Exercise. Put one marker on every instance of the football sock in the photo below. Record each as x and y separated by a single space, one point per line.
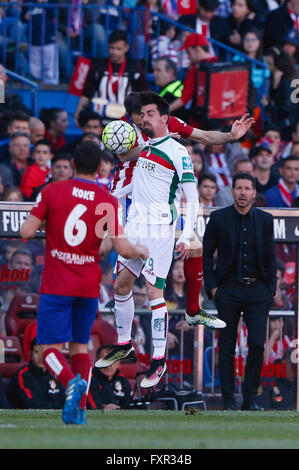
124 315
56 363
193 274
81 364
159 327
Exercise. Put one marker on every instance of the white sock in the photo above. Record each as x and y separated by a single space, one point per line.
159 327
124 315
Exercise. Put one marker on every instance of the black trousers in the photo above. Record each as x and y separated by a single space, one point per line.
255 301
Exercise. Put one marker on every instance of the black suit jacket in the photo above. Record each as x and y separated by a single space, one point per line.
277 25
221 235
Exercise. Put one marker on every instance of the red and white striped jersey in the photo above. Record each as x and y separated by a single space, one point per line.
122 183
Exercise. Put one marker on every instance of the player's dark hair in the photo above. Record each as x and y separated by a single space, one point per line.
87 157
151 97
244 176
90 135
290 158
61 156
86 115
132 103
44 142
118 35
207 176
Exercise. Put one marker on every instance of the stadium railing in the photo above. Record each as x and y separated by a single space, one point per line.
22 84
94 23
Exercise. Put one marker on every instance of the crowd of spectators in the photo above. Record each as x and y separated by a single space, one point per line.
36 151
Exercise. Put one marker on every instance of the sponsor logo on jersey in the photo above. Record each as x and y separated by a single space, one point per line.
146 165
187 163
72 258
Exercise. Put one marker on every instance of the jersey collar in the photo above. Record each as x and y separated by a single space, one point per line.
159 141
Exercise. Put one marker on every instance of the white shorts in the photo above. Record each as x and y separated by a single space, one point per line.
159 239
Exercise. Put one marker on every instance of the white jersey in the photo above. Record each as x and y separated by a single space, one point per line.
122 184
163 165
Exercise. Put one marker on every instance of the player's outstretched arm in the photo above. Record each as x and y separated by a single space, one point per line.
132 154
239 128
30 226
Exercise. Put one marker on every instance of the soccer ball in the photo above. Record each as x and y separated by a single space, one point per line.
119 136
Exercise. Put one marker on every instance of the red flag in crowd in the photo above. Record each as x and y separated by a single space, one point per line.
76 16
79 76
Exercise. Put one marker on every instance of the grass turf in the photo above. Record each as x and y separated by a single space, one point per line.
39 429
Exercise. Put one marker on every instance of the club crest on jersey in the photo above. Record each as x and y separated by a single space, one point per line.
187 163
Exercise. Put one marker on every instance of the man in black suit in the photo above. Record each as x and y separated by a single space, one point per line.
243 280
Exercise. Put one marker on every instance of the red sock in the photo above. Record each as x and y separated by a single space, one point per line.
81 364
56 363
193 275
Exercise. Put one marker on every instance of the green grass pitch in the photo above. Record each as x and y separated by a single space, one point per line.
39 429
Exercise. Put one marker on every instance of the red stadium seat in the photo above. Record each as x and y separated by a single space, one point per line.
13 356
21 311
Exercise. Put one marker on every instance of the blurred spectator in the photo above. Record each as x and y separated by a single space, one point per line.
33 387
146 23
278 340
224 196
277 393
8 247
207 23
262 158
89 122
290 45
289 282
197 49
36 174
17 122
175 294
23 260
105 175
12 194
280 107
162 46
56 122
252 45
37 130
19 152
108 389
280 300
240 21
114 79
61 170
287 187
106 287
207 188
260 200
279 22
43 50
273 136
295 149
218 165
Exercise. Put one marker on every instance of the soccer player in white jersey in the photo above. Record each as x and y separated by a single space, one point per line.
163 169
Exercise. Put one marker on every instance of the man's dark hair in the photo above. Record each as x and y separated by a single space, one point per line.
61 156
151 97
290 158
50 114
118 35
209 5
132 103
18 116
90 135
101 348
272 127
207 176
107 156
86 115
44 142
87 157
295 202
169 64
244 176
